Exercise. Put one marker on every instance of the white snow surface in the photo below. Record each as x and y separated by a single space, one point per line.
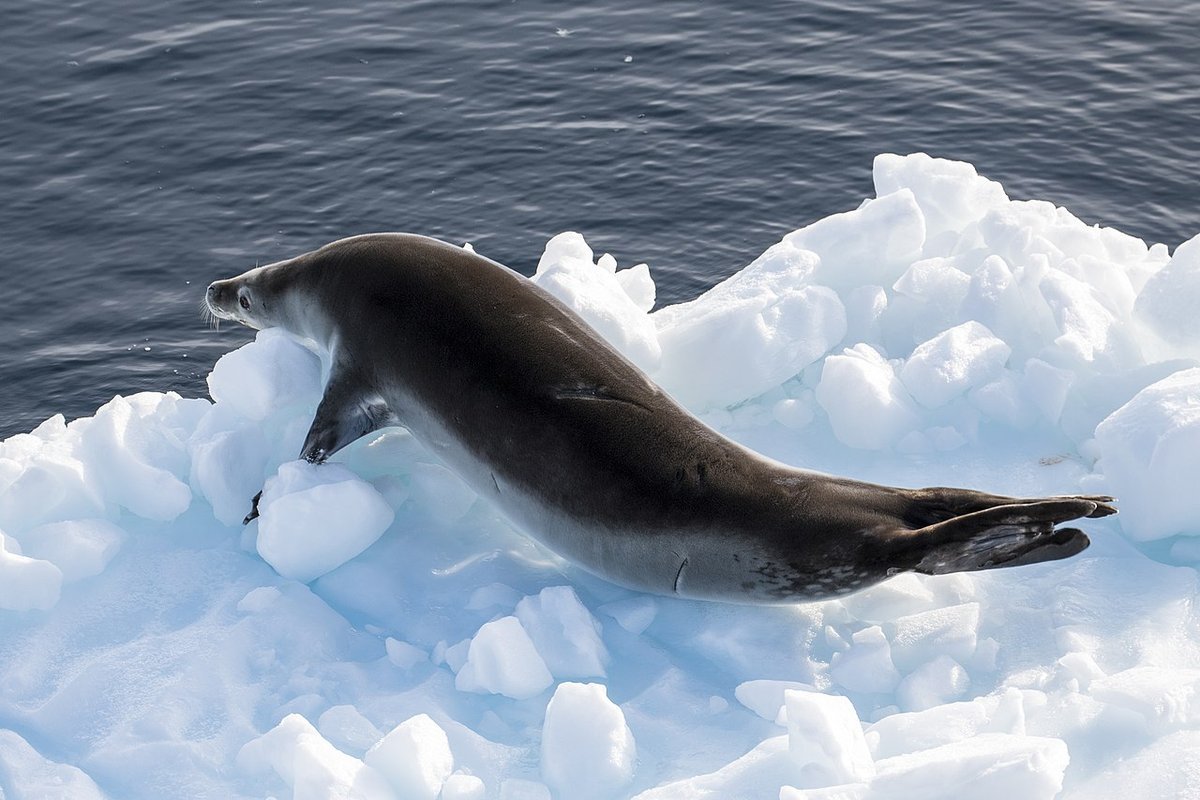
379 632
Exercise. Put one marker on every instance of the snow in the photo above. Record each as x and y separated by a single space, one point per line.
381 632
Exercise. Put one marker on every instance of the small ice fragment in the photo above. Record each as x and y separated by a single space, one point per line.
934 683
414 757
565 633
501 659
404 655
587 749
826 739
259 599
26 583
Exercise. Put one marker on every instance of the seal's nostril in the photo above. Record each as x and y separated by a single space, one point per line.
212 291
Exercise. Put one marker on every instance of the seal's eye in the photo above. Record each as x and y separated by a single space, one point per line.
244 302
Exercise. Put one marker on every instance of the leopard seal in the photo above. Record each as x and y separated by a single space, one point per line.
584 453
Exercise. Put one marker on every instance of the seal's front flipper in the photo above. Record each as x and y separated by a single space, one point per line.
345 414
1002 536
253 515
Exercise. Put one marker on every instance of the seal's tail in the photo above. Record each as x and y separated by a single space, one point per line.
992 531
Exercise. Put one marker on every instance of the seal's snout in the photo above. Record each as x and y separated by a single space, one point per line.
217 298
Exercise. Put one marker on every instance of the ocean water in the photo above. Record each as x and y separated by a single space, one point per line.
146 149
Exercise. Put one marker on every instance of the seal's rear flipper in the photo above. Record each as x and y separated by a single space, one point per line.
1003 536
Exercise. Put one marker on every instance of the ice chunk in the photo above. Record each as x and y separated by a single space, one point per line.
1090 331
80 548
748 334
865 307
906 593
933 289
868 407
1081 668
272 372
933 683
758 773
1003 712
1150 456
952 362
316 518
138 459
259 599
867 665
826 739
1004 401
873 244
587 749
729 353
456 655
564 632
1168 699
1168 301
26 583
638 284
47 485
502 659
311 766
1047 387
795 412
227 470
951 631
766 697
404 655
461 786
990 766
1167 767
414 757
615 306
950 194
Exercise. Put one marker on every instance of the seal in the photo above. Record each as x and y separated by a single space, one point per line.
583 452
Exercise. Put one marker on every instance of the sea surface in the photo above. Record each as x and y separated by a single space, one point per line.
149 148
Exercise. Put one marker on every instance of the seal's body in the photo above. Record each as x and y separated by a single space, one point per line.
581 450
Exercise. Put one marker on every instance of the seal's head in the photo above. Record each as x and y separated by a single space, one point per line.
308 294
253 298
286 294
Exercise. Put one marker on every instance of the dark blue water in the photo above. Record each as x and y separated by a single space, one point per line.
148 148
